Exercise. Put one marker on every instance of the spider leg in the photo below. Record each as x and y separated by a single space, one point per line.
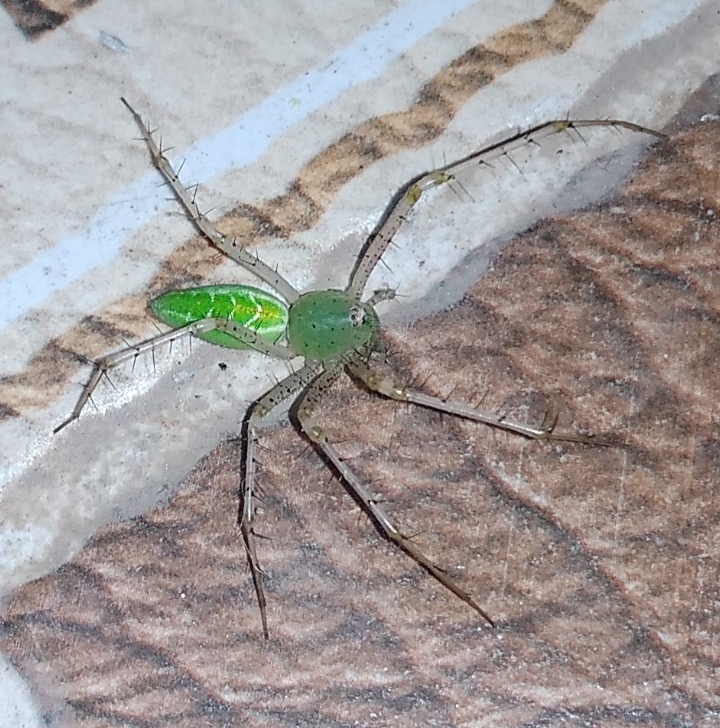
387 387
254 340
227 245
382 294
306 404
378 241
253 423
104 365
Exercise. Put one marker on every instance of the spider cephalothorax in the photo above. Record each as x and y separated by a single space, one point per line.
324 325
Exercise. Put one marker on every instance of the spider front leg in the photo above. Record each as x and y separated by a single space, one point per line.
252 339
227 245
389 529
253 423
387 387
377 243
102 366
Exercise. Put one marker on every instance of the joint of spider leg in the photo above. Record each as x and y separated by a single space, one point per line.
259 410
316 434
389 388
388 527
312 430
441 178
412 195
413 382
400 390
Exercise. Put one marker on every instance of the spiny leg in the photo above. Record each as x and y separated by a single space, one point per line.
227 245
386 386
102 366
382 294
306 404
253 422
377 243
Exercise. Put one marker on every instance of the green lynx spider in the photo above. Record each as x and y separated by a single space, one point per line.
333 330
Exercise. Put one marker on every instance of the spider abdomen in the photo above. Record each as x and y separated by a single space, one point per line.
252 307
327 325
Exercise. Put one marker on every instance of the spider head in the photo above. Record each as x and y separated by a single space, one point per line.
328 325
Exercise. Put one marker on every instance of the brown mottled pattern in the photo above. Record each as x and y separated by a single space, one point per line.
47 374
36 18
601 565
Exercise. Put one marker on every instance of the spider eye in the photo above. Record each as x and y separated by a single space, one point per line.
357 316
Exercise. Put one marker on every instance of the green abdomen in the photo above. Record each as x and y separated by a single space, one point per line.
247 305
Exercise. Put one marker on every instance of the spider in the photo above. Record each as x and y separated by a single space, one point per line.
334 331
